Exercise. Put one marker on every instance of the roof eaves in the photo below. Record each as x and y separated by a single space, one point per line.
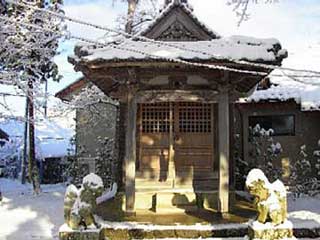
69 89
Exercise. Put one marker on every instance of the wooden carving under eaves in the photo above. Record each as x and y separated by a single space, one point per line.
178 24
177 32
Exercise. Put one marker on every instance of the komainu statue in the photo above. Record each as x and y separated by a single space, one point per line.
79 204
270 200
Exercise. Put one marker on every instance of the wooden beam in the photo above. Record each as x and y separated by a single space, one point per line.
224 151
177 96
130 158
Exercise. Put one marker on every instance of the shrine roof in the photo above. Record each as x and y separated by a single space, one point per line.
232 48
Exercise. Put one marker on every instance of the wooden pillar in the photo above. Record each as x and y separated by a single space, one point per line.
224 152
171 165
231 147
130 157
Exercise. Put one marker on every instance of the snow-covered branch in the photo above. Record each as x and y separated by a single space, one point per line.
240 7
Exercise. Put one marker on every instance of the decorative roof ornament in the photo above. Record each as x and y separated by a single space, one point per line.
178 2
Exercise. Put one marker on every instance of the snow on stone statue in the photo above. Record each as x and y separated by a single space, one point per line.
270 199
79 204
271 204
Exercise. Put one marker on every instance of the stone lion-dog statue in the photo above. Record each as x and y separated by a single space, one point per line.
270 198
79 204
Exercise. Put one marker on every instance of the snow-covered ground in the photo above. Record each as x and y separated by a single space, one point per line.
28 217
25 216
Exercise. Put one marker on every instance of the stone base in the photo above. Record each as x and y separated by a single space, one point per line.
259 231
65 233
175 201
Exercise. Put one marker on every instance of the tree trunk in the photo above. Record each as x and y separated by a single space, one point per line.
25 143
132 6
33 169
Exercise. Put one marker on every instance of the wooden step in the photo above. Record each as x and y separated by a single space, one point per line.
197 185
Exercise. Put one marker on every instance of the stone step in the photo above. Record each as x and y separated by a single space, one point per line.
173 232
174 200
132 230
126 231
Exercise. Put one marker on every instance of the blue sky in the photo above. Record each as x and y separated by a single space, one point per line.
296 23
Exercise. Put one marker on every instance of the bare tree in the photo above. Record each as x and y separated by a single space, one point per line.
240 7
138 13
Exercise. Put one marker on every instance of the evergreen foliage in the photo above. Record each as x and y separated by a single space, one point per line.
305 173
105 161
264 153
74 170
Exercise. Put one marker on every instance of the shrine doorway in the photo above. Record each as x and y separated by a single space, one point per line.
176 144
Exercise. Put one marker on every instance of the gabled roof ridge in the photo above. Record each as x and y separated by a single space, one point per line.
186 7
73 86
4 135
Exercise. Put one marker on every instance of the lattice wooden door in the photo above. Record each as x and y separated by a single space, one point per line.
193 141
154 125
185 127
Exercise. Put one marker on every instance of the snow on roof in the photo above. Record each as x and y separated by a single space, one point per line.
229 48
52 138
188 9
304 90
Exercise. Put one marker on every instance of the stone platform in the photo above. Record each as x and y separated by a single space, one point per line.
175 215
175 208
65 233
185 223
134 230
130 230
260 231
